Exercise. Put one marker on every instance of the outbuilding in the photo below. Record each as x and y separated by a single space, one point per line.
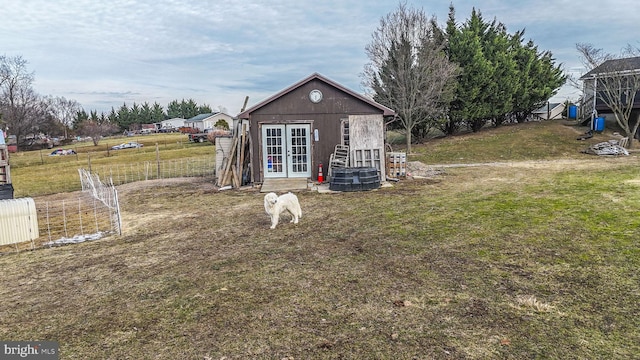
550 111
296 130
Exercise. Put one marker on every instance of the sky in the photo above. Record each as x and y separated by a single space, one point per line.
104 54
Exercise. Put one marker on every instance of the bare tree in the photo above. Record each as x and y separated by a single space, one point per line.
614 81
409 71
96 129
23 111
65 110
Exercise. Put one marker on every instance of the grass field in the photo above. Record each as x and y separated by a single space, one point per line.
516 260
35 173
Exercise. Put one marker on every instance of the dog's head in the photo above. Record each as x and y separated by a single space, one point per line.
270 199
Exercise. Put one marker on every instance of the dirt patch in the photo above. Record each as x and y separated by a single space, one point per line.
576 164
200 182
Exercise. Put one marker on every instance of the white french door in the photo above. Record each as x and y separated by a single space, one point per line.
286 150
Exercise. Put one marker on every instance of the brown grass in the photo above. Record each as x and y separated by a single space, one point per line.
500 262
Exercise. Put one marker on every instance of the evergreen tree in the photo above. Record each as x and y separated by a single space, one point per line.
501 77
113 116
538 78
409 71
157 113
204 109
145 114
134 114
189 108
124 117
500 92
80 117
174 110
93 116
466 49
186 109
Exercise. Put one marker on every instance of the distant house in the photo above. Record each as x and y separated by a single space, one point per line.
174 123
209 121
624 70
550 111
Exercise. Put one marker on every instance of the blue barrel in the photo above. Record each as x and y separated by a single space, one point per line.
573 112
598 124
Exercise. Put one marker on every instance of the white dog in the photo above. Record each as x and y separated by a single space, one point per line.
275 205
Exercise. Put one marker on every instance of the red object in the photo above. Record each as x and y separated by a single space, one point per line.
320 175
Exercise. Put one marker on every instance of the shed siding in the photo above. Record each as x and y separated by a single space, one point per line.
295 107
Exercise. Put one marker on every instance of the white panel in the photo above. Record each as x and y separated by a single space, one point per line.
366 142
18 221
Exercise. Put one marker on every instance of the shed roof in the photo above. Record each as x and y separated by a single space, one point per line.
201 117
315 76
631 64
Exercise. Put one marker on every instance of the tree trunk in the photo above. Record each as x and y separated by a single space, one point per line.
408 138
634 131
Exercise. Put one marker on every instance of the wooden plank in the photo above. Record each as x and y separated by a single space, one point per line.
222 180
235 180
244 141
250 140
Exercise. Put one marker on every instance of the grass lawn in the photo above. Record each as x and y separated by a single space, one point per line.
35 173
524 260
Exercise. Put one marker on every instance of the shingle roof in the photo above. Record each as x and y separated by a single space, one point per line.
615 65
200 117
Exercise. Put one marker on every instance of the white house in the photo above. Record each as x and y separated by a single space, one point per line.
209 121
172 123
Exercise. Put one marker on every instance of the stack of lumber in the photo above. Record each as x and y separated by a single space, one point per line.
238 162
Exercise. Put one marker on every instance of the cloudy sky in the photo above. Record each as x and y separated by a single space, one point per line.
106 53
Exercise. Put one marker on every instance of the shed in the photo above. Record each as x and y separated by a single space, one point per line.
298 128
550 111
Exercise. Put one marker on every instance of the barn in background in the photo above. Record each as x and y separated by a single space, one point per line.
297 129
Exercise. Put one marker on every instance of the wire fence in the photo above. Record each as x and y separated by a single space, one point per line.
92 214
148 170
74 220
95 211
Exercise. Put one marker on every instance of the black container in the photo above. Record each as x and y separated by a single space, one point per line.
341 179
354 179
369 178
6 192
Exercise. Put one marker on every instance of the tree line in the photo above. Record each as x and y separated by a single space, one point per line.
130 117
27 114
462 76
